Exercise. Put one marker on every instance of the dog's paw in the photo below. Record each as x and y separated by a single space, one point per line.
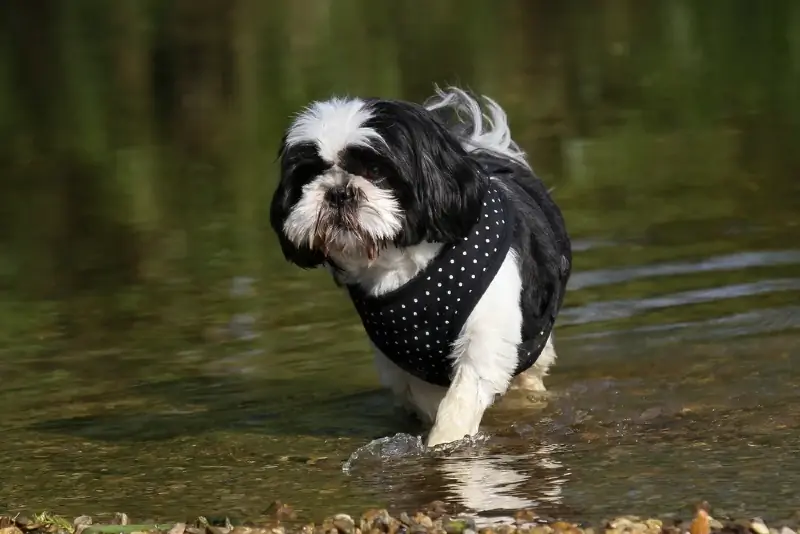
441 434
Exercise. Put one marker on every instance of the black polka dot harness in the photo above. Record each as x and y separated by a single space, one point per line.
416 325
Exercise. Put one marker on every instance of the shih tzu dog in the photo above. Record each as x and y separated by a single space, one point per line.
451 249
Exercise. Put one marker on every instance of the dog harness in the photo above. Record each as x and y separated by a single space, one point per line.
415 325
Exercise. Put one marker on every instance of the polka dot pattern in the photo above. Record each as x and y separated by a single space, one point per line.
416 325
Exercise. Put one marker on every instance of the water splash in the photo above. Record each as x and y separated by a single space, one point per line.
403 445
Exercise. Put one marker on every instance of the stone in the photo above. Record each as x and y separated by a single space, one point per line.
456 526
375 519
344 524
758 527
423 520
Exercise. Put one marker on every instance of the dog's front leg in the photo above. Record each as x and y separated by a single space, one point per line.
461 409
484 358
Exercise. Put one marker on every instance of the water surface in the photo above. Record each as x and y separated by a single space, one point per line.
159 357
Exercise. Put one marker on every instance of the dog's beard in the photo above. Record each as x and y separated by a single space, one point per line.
341 231
361 228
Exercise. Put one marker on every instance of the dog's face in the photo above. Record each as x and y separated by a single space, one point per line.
359 175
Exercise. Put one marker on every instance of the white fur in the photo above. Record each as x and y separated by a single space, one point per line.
495 136
379 216
333 125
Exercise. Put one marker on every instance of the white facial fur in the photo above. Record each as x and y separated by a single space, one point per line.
333 126
378 216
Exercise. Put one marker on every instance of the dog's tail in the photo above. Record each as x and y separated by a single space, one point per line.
476 129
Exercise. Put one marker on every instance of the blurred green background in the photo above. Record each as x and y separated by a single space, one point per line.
146 311
139 137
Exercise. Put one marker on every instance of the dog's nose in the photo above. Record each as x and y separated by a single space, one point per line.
340 195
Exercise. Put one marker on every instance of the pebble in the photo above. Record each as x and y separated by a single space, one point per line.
436 518
344 523
758 526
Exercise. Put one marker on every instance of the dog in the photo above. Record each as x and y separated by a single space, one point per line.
451 249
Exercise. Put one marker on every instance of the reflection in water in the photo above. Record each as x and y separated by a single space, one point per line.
147 314
489 485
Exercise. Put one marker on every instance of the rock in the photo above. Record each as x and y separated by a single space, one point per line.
423 520
435 510
178 528
457 526
700 523
10 530
120 519
619 524
787 530
525 516
82 520
758 527
653 525
541 529
81 523
715 524
344 524
375 519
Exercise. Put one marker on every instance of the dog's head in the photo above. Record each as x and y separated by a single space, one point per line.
359 175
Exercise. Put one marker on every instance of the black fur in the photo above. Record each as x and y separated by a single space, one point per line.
541 242
300 164
438 186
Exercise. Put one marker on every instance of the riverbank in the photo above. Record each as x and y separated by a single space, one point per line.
434 518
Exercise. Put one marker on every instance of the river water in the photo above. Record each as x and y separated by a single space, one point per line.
159 357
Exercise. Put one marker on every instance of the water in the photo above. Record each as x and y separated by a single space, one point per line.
159 357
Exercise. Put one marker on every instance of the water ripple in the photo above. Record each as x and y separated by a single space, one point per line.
621 309
730 262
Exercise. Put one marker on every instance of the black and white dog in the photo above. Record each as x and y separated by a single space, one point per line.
451 249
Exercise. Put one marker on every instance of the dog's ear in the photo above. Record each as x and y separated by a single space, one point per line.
439 185
450 187
285 197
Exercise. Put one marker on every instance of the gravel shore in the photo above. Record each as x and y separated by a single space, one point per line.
434 518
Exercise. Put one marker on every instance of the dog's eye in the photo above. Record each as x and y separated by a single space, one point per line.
373 171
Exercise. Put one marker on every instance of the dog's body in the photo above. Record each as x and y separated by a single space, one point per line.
410 183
